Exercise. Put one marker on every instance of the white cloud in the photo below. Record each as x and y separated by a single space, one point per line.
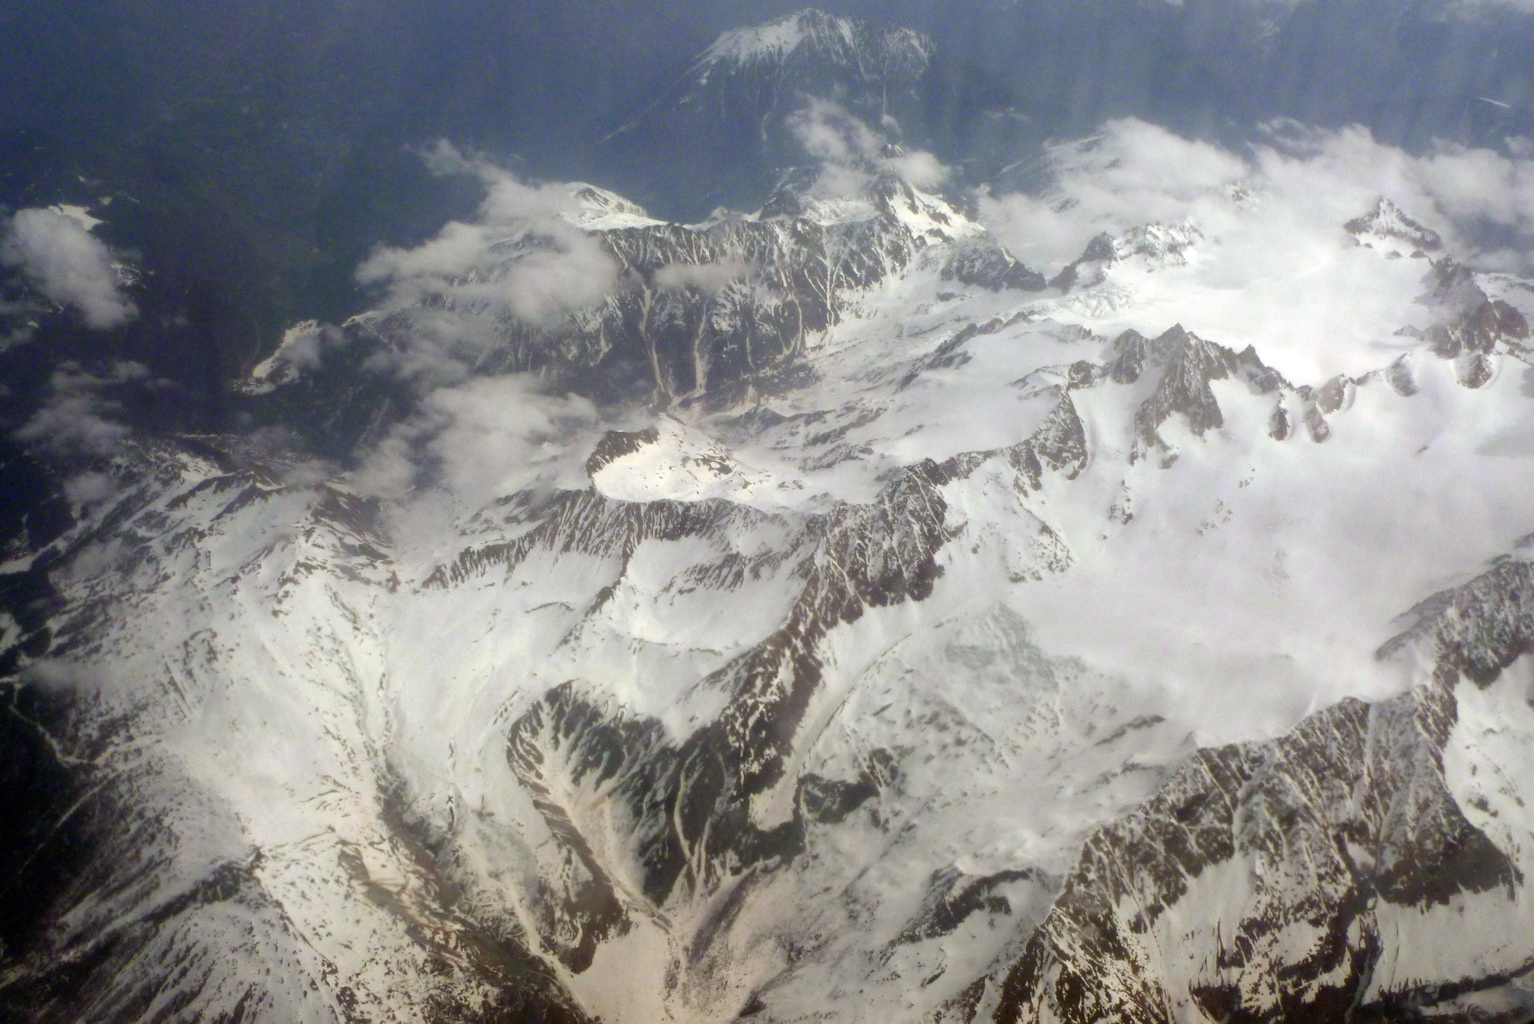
1472 6
74 420
1134 173
304 344
1130 173
827 131
457 249
521 256
89 488
78 426
55 676
18 321
303 347
488 437
441 348
64 261
852 152
920 168
709 278
77 423
1272 264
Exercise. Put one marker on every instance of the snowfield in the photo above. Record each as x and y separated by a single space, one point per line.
883 605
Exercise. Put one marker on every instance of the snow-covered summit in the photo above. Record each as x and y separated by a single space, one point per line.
1039 644
812 35
1390 230
811 613
598 209
1151 247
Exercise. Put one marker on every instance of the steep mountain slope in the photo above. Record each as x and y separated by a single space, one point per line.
703 312
812 612
723 121
983 667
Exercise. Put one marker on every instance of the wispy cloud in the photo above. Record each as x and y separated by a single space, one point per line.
852 152
1131 173
1272 263
59 256
488 437
76 420
79 427
520 256
709 278
18 320
1134 173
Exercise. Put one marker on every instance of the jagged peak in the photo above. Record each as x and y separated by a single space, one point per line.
840 40
598 209
1480 627
881 193
1388 228
984 262
1165 243
1156 244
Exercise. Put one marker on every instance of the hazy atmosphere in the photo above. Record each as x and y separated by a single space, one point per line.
947 512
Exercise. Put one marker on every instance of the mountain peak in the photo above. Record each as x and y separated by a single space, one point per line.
812 32
1388 228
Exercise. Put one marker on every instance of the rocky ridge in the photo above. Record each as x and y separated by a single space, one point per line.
903 644
636 825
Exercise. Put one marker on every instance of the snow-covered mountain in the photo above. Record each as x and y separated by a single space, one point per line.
816 612
709 312
996 669
757 74
892 57
726 118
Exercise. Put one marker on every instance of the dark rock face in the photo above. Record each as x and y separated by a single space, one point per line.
587 522
1479 330
1158 244
1325 832
1059 445
1475 324
1317 834
43 841
109 901
1189 365
743 73
1322 833
1480 628
1387 223
830 801
1399 376
783 277
691 801
615 444
1186 365
30 599
1318 863
991 266
952 898
1258 884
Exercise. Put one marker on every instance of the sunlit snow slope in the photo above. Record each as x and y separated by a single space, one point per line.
830 617
999 666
